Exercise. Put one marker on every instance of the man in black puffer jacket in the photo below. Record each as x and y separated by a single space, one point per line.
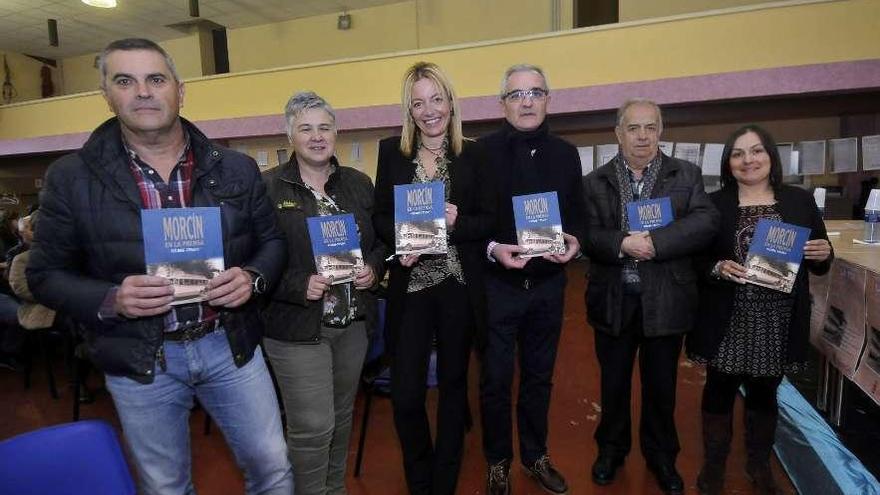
88 261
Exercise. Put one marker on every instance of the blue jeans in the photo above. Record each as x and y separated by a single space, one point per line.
155 417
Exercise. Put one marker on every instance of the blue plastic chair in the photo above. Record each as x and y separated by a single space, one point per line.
82 458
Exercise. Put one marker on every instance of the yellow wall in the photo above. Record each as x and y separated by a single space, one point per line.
778 37
80 74
380 29
25 76
396 27
631 10
450 22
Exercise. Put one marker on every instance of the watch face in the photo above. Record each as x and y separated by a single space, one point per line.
259 284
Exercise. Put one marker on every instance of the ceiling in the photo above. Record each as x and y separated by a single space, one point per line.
83 29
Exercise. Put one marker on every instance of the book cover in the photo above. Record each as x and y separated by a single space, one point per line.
420 218
184 245
649 214
775 254
538 224
336 247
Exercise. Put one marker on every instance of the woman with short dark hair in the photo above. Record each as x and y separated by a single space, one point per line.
317 331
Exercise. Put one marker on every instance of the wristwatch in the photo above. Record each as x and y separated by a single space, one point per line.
259 282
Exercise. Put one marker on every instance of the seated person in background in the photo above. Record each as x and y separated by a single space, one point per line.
11 335
31 314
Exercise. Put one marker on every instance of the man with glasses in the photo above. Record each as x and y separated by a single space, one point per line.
642 291
525 295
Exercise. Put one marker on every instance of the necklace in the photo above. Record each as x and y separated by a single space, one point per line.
434 151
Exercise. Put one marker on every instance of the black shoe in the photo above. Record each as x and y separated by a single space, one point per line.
498 479
547 476
9 362
605 468
667 477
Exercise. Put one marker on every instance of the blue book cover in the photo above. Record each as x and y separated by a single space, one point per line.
184 245
649 214
775 254
336 247
538 224
420 218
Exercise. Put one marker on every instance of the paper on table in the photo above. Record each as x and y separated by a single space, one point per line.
667 147
819 196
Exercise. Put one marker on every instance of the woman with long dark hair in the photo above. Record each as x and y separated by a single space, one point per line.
747 334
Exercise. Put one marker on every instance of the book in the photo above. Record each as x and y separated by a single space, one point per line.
336 247
184 245
775 254
420 218
649 214
538 224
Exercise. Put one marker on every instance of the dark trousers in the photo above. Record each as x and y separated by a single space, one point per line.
529 318
442 311
658 365
721 389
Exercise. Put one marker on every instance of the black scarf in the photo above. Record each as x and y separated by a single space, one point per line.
523 152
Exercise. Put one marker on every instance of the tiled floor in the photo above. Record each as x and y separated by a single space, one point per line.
573 415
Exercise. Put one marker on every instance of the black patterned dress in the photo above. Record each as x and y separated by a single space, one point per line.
756 341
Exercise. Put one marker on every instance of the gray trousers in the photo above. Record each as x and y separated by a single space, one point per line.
318 385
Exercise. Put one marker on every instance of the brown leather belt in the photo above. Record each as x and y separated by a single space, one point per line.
194 332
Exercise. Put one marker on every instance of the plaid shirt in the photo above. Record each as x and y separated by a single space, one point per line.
176 193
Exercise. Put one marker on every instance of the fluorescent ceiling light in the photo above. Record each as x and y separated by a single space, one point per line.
104 4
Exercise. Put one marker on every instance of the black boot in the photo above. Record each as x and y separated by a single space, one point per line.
717 430
498 478
760 435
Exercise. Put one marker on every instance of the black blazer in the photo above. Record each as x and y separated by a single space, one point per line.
669 283
796 206
472 191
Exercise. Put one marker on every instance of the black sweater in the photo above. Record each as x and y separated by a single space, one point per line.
553 166
795 206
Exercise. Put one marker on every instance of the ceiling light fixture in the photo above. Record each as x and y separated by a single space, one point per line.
104 4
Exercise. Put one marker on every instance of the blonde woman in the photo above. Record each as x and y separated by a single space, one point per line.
433 297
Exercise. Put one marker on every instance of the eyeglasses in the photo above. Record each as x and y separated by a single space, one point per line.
518 95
